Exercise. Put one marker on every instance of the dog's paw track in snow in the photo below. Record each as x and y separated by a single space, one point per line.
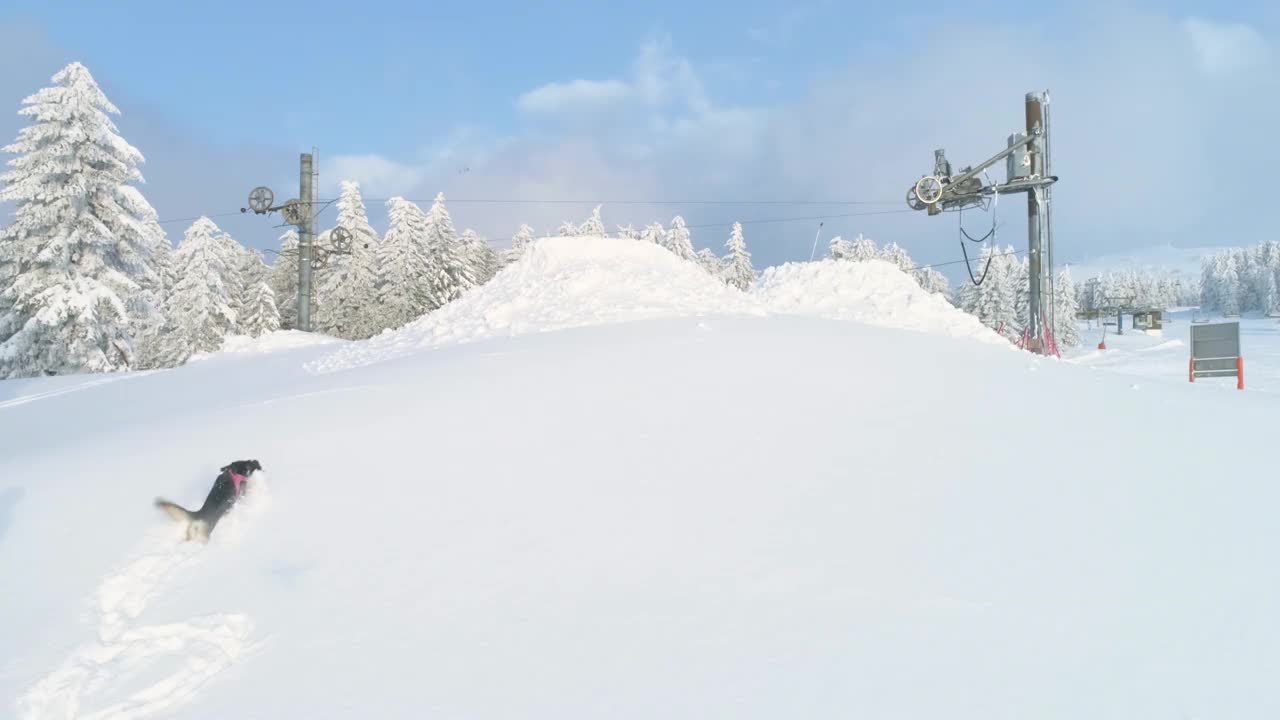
94 683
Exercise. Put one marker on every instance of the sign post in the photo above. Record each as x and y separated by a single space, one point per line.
1215 352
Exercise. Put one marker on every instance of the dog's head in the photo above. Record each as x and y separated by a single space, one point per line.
244 468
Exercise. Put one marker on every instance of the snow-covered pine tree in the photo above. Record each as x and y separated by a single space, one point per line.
520 243
862 249
1010 288
567 229
284 280
628 232
1019 284
839 248
594 226
404 290
149 323
932 281
738 270
993 301
260 314
708 260
654 233
677 239
1229 284
1210 298
451 269
1064 311
893 253
77 276
234 257
482 259
347 303
201 311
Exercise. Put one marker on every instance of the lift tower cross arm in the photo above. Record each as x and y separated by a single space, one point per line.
1030 174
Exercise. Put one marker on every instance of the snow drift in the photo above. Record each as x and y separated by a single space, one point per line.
559 283
871 291
580 281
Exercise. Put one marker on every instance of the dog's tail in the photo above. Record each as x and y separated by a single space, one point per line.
175 511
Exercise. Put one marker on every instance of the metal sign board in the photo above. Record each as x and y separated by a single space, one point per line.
1215 349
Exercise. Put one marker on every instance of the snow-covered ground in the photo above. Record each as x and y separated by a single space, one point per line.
706 511
1164 356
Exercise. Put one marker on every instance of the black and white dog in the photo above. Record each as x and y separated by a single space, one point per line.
228 488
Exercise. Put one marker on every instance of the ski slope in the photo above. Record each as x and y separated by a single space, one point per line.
698 513
1164 356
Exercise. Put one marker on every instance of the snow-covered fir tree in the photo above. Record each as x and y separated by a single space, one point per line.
994 301
628 232
148 325
1019 280
594 226
932 281
235 257
451 268
862 249
520 243
201 310
839 248
1147 289
404 290
259 315
76 262
1064 311
284 280
895 254
737 270
482 259
1241 280
347 303
708 260
678 240
654 233
1229 284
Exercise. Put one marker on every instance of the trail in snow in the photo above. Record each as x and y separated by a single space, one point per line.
97 381
100 679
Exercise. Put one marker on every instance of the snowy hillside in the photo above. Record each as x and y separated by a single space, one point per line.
712 510
1160 259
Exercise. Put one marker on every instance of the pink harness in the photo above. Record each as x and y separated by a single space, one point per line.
236 480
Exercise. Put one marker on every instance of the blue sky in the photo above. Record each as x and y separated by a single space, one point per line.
679 101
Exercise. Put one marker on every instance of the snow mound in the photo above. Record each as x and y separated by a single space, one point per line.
559 283
277 341
874 292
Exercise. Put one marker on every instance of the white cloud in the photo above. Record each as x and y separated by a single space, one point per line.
377 175
863 131
1223 48
574 96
